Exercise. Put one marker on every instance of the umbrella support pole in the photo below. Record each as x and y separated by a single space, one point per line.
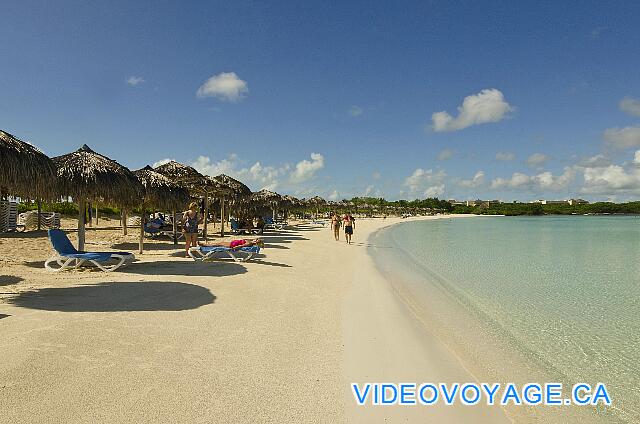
206 212
222 217
39 214
141 241
123 220
81 217
175 228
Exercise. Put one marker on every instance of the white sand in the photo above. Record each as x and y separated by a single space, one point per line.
170 340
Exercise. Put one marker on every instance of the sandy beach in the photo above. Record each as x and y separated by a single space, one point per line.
167 339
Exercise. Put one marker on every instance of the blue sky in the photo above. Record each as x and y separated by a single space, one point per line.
540 99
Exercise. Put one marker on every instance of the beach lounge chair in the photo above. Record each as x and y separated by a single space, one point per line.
68 257
8 216
29 219
270 223
242 254
235 229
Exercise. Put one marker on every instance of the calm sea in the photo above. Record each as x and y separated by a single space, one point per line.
528 298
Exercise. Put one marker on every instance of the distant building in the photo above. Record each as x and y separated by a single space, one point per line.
561 202
577 202
551 202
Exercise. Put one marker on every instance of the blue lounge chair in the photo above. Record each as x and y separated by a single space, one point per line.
242 254
235 229
68 257
270 223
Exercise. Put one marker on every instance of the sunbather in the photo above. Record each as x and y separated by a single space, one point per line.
234 244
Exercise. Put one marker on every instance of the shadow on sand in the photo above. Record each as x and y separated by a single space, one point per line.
4 316
187 268
25 235
148 246
117 297
7 280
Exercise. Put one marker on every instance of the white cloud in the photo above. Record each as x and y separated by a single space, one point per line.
487 106
548 181
595 161
259 176
476 181
630 106
334 195
224 86
426 183
611 179
505 156
622 138
133 80
305 169
517 180
446 154
540 182
434 191
355 110
537 160
225 166
256 176
161 162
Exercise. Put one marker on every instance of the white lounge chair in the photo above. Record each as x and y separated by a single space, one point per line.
30 220
242 254
68 257
8 216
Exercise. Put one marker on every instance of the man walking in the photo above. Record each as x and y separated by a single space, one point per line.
349 226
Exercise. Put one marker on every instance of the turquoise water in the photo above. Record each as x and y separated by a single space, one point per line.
524 298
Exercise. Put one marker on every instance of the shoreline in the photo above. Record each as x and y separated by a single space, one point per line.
479 345
386 342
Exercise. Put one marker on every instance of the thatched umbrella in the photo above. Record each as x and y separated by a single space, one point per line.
87 175
266 197
239 188
160 192
184 175
25 171
197 184
290 202
236 188
316 201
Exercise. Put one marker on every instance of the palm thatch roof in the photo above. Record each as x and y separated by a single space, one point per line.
215 188
187 177
238 188
291 201
85 174
160 191
315 201
24 170
265 197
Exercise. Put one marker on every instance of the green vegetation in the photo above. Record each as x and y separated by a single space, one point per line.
512 209
380 204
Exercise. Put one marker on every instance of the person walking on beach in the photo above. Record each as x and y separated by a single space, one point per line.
335 225
190 221
349 226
